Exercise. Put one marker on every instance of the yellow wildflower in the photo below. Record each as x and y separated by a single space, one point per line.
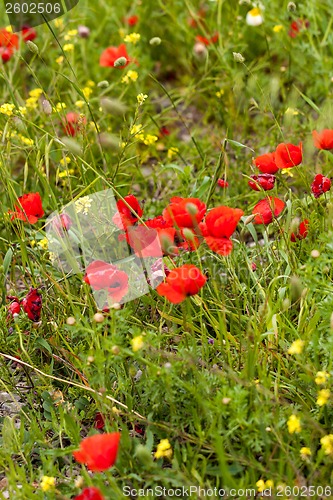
7 109
278 27
47 483
323 397
287 171
36 93
79 104
296 347
91 83
31 103
219 93
59 107
141 98
68 47
131 76
327 444
65 161
87 91
294 424
321 378
58 23
305 453
172 152
262 485
163 449
26 140
22 110
132 38
60 60
150 139
137 343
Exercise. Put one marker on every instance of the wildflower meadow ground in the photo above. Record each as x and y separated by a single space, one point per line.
166 250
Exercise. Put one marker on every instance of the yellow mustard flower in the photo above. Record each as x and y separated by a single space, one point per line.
321 377
323 397
278 28
305 453
83 204
137 343
327 444
132 38
68 47
47 483
294 424
141 98
163 449
296 347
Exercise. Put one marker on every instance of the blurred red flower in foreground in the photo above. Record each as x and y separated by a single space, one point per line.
320 185
218 227
207 41
32 304
266 163
111 54
323 139
98 452
28 33
29 208
9 42
131 20
297 26
267 209
73 123
184 212
90 493
103 276
263 181
302 231
125 216
182 282
288 155
222 183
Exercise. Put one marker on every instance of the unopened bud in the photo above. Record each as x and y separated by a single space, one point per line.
155 40
188 234
200 50
115 350
32 47
83 31
291 7
120 62
47 108
70 321
238 57
191 208
249 219
99 317
103 84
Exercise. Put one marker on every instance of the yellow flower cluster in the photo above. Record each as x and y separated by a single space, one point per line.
7 109
59 107
131 76
132 38
68 47
321 378
148 139
70 34
305 453
137 343
172 152
262 485
294 424
141 98
32 101
296 347
323 397
327 444
164 449
47 483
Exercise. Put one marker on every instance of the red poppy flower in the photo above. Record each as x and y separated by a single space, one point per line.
182 282
222 183
29 208
200 16
14 307
74 123
263 181
288 155
266 163
145 241
132 20
267 209
99 421
302 231
62 223
125 216
207 41
9 42
111 54
297 26
32 304
98 452
184 212
90 493
323 139
28 33
103 276
164 131
218 227
320 185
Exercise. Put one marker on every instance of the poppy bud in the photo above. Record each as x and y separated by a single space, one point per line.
103 84
143 455
291 7
120 62
238 57
98 318
32 47
191 208
155 41
296 288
